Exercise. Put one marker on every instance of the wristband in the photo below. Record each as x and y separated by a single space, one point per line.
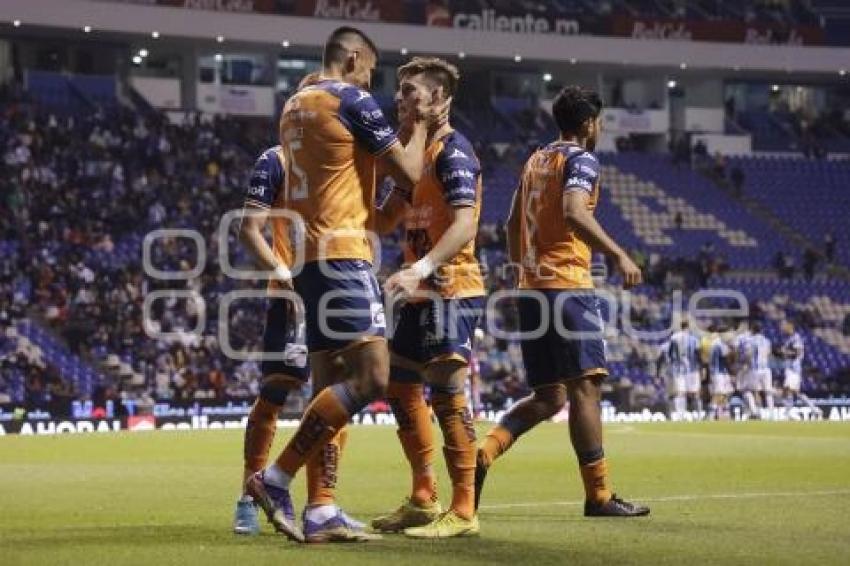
282 272
424 267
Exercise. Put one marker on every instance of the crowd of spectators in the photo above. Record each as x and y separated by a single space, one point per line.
74 261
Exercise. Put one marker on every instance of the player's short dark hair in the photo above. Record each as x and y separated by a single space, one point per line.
756 326
335 50
574 106
440 71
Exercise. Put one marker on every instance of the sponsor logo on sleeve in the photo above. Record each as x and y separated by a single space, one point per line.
579 182
257 191
458 174
368 115
384 133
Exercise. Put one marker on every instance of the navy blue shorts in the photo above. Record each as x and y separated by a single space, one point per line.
342 303
284 337
552 354
429 331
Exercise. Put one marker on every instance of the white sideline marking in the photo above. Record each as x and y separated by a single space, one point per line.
755 495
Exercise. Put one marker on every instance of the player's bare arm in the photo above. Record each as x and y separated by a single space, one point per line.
251 227
461 231
582 221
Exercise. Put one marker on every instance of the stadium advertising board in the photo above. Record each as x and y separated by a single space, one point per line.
263 6
390 11
511 18
233 417
719 30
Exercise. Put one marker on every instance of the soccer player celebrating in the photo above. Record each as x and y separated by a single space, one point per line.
331 134
444 292
283 338
551 231
286 367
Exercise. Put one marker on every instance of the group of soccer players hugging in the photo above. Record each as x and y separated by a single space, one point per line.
731 362
317 189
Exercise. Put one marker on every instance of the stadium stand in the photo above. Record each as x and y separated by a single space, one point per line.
75 258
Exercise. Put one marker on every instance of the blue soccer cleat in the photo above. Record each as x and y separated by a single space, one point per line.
245 520
276 502
338 528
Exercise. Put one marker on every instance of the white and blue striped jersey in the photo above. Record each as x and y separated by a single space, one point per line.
793 350
753 351
683 353
718 358
759 348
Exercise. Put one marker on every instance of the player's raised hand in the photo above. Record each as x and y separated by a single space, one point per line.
402 284
434 112
631 272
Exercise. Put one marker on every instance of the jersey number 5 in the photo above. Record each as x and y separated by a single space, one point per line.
296 191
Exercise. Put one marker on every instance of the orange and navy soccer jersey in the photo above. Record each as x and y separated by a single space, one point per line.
331 133
284 349
553 255
451 179
558 297
266 190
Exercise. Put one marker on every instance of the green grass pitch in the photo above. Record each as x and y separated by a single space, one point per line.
721 493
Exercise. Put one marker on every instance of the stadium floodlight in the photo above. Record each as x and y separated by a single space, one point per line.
220 39
775 88
155 34
842 72
219 57
143 53
16 23
547 77
683 65
285 44
137 60
462 55
87 29
573 61
403 50
671 84
517 58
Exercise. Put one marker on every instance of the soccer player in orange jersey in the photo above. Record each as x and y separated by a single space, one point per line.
331 134
551 231
285 368
443 293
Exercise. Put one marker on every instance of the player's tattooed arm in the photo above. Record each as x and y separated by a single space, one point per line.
580 219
